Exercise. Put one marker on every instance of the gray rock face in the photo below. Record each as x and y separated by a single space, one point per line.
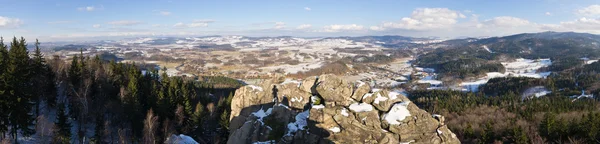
339 119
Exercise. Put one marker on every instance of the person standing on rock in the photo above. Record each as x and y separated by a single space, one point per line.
275 100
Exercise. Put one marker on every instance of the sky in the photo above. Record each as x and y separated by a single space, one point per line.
65 20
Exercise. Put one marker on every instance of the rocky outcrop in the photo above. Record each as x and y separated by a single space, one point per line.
340 112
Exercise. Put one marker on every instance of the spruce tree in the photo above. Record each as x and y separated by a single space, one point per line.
18 77
4 99
547 126
38 70
62 127
132 105
198 119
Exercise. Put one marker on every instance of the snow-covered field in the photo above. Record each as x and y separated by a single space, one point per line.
292 69
519 68
536 91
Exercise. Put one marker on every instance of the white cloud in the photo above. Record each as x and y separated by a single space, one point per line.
377 28
307 8
157 25
96 26
87 8
279 25
125 23
506 21
548 14
590 11
426 19
338 28
304 26
587 25
6 22
164 13
194 24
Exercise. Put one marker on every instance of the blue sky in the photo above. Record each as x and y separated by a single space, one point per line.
85 19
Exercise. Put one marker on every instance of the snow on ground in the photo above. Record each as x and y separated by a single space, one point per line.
181 139
430 80
519 68
536 91
287 81
292 69
335 129
361 107
583 95
428 70
265 142
256 87
398 112
526 65
588 60
299 124
473 86
487 49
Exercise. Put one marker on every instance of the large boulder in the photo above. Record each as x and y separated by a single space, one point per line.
361 89
384 100
335 89
290 93
246 100
348 113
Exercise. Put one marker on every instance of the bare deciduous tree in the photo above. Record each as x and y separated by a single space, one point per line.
44 128
150 125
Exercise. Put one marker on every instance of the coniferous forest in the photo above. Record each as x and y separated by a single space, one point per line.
499 113
88 100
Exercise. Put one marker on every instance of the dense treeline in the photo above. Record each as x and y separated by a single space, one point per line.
464 68
91 100
564 49
499 112
477 118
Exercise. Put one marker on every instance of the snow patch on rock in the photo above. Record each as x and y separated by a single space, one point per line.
344 112
299 124
398 113
361 107
335 129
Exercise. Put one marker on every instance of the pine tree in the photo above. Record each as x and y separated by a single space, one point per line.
519 136
4 99
132 105
38 70
75 71
198 119
62 128
469 133
488 133
547 126
18 77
